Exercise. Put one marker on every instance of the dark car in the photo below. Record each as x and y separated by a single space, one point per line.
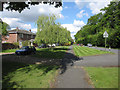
25 50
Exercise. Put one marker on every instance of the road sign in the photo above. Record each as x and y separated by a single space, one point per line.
105 35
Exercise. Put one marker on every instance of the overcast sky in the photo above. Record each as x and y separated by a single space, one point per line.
73 15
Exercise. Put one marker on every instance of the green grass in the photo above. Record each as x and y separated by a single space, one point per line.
85 51
103 77
55 53
19 75
8 51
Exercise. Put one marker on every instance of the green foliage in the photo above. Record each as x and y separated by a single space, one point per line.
16 43
108 21
3 28
25 43
48 32
20 6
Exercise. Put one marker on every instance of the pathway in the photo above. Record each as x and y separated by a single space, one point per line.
72 76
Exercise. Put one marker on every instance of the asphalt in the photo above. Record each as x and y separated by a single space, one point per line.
72 74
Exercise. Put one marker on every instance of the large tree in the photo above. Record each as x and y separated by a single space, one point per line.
50 32
108 21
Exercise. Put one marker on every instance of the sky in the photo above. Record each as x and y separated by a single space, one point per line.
73 14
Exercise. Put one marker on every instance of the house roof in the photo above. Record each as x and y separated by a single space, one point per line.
21 31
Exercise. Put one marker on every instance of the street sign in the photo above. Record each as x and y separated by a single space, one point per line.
105 35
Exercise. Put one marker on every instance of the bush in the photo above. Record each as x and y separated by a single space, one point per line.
26 43
16 43
6 46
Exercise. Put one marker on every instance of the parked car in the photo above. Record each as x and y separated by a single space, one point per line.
43 46
89 45
53 45
25 50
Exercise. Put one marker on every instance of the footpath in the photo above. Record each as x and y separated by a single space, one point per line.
72 76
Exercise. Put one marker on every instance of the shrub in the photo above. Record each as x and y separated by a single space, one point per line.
6 46
16 43
26 43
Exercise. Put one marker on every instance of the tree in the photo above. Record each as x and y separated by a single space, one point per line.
20 6
108 21
48 32
3 28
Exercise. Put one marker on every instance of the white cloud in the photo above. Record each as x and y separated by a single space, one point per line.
96 6
75 27
81 14
78 23
16 19
34 30
93 5
15 22
32 14
72 35
81 3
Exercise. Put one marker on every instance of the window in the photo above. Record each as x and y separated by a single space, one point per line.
31 36
27 36
21 35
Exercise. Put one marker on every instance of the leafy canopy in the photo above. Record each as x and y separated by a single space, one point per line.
50 32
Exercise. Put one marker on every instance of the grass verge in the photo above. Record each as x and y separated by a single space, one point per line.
85 51
54 53
8 51
103 77
19 75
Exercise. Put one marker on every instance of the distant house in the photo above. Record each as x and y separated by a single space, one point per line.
17 35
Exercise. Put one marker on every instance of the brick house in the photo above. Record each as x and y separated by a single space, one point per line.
17 35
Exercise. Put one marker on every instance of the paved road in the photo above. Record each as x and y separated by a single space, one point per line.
97 61
73 75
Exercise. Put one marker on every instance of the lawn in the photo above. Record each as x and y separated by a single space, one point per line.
55 53
103 77
8 51
19 75
86 51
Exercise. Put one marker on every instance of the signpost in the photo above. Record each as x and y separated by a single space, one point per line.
105 35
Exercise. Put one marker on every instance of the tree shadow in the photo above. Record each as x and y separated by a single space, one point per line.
45 59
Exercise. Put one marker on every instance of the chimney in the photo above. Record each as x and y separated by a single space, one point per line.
16 27
30 30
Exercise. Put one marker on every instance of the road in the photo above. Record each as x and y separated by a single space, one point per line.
74 75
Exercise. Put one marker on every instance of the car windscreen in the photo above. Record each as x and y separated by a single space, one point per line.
23 48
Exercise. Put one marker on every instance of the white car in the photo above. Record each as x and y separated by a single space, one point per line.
89 45
53 45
